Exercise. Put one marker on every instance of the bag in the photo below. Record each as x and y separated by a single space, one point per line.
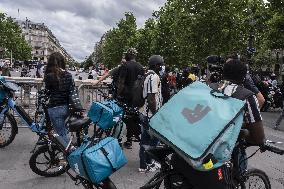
74 100
137 91
96 162
105 114
201 124
2 90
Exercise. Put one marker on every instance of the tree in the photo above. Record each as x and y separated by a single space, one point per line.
12 40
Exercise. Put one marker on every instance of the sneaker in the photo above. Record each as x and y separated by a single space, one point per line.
141 170
127 144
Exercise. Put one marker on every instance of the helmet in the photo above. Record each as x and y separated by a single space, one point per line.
155 60
131 51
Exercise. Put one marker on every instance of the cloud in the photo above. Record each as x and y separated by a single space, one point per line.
79 24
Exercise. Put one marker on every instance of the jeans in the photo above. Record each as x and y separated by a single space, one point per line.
146 143
57 117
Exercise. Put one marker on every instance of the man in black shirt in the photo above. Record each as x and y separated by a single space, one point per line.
128 74
234 73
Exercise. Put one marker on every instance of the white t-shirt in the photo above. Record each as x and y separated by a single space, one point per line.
152 84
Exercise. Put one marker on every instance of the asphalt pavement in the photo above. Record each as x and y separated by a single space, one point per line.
15 172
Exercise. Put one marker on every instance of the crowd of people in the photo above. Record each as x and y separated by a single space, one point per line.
158 86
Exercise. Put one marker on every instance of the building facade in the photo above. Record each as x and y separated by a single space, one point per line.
42 41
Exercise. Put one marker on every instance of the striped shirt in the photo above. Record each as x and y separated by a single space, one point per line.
252 112
152 85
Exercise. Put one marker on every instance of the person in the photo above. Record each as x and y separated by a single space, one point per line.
6 69
128 74
114 73
39 69
58 83
166 91
234 74
153 93
274 81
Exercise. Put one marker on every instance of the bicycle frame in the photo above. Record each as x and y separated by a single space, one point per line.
11 104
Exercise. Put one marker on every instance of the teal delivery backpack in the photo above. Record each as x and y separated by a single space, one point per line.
105 114
201 124
97 161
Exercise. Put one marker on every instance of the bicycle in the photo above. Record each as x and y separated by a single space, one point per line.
8 124
67 149
48 160
169 178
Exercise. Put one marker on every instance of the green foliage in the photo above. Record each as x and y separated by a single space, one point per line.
12 40
185 32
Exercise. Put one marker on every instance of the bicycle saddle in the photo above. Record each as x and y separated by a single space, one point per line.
76 124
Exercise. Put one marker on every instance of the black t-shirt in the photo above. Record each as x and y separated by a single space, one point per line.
58 89
130 71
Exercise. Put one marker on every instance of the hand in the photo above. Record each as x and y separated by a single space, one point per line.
95 82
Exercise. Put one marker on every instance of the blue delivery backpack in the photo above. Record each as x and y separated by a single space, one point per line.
201 124
105 114
96 162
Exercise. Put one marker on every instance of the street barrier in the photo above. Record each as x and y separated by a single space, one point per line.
27 94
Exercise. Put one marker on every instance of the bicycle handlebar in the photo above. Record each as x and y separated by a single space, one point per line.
273 149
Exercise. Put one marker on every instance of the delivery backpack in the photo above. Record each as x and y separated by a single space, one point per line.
137 91
105 114
201 124
96 161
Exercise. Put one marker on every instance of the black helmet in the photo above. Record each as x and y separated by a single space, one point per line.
155 60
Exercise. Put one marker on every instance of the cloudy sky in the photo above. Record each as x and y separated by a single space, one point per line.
78 24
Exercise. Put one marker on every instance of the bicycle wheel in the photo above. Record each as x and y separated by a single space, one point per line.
156 181
8 130
48 162
256 179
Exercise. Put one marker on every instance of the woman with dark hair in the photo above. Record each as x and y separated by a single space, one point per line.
58 83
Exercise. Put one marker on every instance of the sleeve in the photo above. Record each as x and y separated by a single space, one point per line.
249 84
252 113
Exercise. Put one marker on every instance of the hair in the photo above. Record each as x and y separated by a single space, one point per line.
129 57
235 71
54 63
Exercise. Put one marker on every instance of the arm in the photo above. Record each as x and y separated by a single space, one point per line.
121 80
260 99
254 122
256 133
106 75
249 84
152 102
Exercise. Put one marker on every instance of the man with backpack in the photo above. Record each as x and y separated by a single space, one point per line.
234 73
128 74
153 94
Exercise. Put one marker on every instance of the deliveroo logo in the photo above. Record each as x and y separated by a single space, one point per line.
197 114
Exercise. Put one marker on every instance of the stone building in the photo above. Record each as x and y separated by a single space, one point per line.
42 40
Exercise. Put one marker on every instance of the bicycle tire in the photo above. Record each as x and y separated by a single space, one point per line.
13 128
43 150
156 181
256 173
